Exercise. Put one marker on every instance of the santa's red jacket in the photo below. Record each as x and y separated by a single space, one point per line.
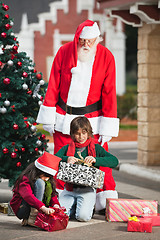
102 86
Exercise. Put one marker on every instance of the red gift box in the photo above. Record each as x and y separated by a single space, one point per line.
53 222
141 225
119 210
155 218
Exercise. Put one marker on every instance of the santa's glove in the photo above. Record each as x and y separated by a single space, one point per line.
49 128
104 139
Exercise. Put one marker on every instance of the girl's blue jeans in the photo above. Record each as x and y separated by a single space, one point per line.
79 203
25 208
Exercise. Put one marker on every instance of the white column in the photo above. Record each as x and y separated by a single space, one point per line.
26 38
115 42
119 53
56 41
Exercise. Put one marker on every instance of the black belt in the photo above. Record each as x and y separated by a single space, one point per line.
80 110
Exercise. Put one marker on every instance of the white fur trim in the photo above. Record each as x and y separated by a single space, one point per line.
109 126
75 70
63 123
101 198
45 169
89 32
66 124
46 115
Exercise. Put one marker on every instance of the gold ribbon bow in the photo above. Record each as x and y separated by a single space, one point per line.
134 218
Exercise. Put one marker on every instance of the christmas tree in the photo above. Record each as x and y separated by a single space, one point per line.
21 93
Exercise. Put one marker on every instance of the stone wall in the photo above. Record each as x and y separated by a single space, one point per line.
149 94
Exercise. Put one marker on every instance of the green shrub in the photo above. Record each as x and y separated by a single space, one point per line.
127 105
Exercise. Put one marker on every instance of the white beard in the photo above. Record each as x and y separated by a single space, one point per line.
86 54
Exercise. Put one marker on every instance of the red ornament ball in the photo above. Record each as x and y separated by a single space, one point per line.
27 125
23 149
3 35
15 126
6 16
5 7
13 155
13 108
25 74
15 48
39 76
36 149
7 26
41 98
13 143
1 63
43 136
19 64
35 71
29 92
18 164
6 81
5 150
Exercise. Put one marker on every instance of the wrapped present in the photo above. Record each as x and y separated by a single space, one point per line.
81 175
119 210
4 208
53 222
155 218
139 224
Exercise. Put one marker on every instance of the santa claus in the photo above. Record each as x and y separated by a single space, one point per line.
82 82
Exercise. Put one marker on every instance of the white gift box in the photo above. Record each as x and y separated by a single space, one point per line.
81 175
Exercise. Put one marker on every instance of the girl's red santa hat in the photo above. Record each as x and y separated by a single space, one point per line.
48 163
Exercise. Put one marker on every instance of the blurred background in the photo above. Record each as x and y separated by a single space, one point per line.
43 26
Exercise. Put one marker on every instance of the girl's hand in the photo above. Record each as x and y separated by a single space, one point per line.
56 206
72 160
90 160
47 210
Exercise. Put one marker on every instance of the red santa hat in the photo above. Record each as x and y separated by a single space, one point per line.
89 32
48 163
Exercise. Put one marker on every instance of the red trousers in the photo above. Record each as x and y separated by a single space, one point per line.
61 140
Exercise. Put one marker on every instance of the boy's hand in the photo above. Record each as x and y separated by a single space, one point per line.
72 160
89 160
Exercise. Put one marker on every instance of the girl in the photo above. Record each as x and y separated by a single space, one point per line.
35 187
80 200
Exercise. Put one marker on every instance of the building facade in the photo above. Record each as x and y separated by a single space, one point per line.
42 40
146 16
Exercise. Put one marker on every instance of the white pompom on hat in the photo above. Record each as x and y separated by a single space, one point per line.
48 163
89 32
